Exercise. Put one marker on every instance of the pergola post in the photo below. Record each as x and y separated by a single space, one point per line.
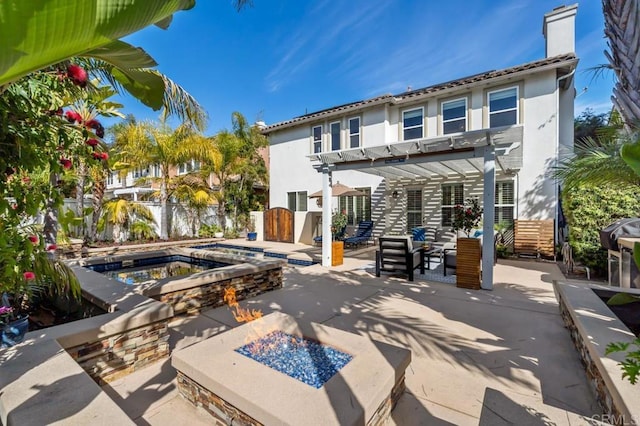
489 214
326 216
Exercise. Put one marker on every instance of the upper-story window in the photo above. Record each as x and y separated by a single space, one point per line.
140 173
454 116
110 179
188 167
503 107
155 171
316 136
334 129
412 124
354 132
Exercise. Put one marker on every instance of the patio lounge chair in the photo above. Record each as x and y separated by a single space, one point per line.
396 254
338 237
363 234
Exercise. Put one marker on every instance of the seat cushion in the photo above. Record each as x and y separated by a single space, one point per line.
419 234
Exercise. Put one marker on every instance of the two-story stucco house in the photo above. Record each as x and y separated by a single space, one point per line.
415 155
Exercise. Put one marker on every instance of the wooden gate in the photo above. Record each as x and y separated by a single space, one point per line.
278 225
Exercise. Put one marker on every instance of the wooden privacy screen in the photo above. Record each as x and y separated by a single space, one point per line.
278 225
535 237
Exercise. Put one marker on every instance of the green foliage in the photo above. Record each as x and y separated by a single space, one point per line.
631 365
208 231
589 209
338 221
59 29
622 299
34 141
142 230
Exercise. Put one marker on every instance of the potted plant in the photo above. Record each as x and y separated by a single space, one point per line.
217 231
468 250
252 235
338 226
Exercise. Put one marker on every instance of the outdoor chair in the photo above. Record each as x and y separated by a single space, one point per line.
338 237
396 254
363 234
449 259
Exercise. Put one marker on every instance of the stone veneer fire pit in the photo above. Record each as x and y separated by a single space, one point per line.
236 389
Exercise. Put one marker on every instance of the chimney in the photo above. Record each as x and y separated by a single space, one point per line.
558 28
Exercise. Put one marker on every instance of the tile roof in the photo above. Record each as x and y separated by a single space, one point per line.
556 61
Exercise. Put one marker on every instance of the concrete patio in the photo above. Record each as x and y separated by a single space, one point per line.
478 357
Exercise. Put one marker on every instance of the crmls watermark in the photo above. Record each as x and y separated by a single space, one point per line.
615 419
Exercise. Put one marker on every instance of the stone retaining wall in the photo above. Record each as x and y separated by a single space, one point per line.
116 356
592 327
210 295
593 373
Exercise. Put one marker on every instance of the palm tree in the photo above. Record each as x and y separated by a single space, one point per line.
120 213
193 191
223 160
144 144
596 161
252 171
621 20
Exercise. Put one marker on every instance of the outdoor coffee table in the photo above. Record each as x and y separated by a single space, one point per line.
431 251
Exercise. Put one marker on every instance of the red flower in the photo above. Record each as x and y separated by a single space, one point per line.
66 163
100 155
26 180
96 126
29 276
92 142
51 247
78 75
73 117
34 239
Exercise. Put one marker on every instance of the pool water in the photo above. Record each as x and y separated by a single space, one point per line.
302 359
255 252
142 270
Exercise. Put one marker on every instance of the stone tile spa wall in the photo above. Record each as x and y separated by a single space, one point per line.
210 295
115 356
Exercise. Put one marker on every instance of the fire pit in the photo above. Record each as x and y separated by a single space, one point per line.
363 379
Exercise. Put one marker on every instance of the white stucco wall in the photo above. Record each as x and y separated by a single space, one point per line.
291 170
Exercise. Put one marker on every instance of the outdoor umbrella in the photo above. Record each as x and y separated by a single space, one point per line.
339 190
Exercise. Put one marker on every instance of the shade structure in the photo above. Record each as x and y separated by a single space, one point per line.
339 190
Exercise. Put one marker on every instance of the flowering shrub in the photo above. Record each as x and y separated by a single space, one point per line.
338 223
5 314
467 217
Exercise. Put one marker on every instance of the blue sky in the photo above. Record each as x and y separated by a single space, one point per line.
280 59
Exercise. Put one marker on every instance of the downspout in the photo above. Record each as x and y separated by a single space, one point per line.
555 161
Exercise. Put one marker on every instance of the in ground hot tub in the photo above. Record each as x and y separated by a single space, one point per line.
218 375
189 279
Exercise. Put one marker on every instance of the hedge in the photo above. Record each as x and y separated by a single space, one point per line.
589 209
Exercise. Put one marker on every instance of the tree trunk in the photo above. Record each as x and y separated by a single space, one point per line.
99 187
622 19
81 170
164 234
51 220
